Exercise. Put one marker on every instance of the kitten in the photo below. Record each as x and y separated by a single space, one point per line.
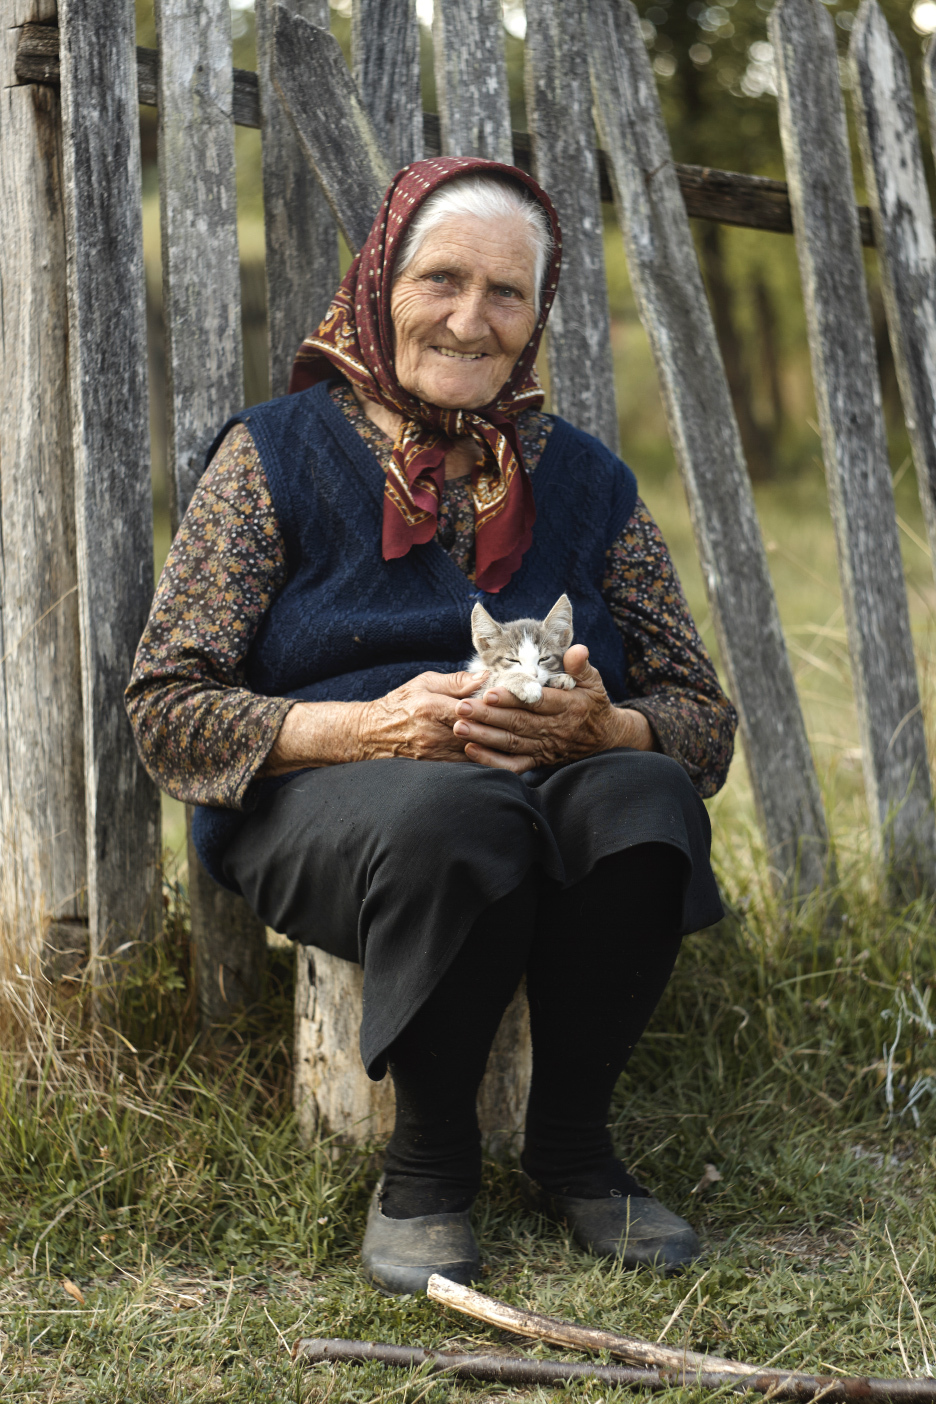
525 655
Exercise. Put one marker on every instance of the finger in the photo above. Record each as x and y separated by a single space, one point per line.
451 684
496 738
576 664
496 760
499 707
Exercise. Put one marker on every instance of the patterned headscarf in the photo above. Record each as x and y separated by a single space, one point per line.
357 338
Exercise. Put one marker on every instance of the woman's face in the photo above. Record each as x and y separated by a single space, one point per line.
463 311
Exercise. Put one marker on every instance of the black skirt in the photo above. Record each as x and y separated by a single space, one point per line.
390 862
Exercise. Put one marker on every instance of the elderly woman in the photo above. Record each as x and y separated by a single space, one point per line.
302 679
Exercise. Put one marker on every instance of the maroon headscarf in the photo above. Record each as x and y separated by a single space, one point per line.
357 338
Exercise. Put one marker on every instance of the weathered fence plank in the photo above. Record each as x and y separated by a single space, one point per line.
42 808
334 130
110 436
198 226
471 79
385 63
205 375
559 111
674 309
903 219
301 239
848 395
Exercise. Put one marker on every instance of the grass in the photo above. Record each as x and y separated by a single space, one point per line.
797 1056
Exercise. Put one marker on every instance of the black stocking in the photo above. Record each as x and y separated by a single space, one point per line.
603 954
433 1162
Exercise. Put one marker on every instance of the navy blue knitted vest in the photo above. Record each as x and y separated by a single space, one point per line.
350 626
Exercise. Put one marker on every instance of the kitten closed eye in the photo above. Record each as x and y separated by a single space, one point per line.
525 655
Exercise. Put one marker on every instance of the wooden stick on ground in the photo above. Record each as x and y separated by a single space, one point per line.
513 1369
571 1337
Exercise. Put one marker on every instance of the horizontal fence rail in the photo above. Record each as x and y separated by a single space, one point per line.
725 197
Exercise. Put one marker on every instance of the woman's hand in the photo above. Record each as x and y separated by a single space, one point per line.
416 720
497 730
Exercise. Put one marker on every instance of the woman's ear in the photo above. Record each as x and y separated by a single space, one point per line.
558 623
484 630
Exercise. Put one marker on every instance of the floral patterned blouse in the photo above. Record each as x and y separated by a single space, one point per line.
204 736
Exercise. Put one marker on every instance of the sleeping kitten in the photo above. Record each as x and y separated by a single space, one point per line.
525 655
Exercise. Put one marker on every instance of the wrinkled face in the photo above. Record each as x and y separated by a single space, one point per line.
463 311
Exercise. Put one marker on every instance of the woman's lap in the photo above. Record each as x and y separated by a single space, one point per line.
390 862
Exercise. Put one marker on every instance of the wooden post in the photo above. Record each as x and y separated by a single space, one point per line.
471 79
674 309
335 132
385 57
110 436
42 809
559 111
333 1094
848 396
301 240
205 374
903 227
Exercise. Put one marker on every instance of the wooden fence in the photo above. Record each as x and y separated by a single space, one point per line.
79 816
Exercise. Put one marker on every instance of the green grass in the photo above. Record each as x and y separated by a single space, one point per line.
172 1189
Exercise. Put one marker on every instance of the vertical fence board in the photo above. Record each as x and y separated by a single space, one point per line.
471 79
332 123
205 375
385 59
198 225
42 808
674 309
903 232
848 395
559 113
110 436
301 240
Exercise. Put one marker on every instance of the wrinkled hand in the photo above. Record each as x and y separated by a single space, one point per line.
498 730
418 719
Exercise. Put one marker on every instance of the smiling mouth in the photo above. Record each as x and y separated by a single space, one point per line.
459 355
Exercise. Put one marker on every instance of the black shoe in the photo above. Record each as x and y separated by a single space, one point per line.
637 1231
400 1255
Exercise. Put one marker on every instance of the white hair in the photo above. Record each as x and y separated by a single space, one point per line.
488 198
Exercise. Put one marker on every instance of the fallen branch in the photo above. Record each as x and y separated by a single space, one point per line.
513 1369
571 1337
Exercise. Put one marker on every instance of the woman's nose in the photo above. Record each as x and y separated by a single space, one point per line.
467 320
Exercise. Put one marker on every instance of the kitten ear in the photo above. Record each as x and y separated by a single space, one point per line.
484 630
558 623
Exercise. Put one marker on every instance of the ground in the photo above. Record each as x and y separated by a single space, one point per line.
168 1237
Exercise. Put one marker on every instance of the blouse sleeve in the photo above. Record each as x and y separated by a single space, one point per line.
670 676
201 733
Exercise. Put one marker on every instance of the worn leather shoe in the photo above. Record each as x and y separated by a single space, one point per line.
400 1255
637 1231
